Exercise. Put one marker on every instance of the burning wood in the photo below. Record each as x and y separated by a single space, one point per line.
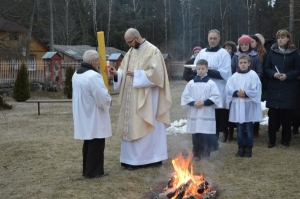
185 185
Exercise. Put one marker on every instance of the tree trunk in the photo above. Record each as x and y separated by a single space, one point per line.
292 18
30 31
51 27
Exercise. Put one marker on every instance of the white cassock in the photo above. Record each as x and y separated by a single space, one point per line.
201 120
219 61
244 109
152 147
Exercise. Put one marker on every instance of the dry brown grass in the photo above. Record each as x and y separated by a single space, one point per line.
40 159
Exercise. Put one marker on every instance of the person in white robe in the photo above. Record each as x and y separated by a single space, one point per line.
243 94
145 100
201 96
219 71
90 104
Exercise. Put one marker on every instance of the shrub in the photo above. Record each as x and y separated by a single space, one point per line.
21 88
3 104
68 82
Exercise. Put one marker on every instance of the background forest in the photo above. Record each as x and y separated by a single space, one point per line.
175 26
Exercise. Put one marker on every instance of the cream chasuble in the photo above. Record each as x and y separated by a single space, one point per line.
138 113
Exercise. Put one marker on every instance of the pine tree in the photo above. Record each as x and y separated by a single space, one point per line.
68 82
21 88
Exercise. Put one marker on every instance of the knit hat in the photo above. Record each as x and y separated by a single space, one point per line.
261 38
244 39
197 48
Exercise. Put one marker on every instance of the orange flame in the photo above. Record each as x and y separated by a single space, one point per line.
184 175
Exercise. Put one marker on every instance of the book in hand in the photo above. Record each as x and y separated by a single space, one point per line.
190 66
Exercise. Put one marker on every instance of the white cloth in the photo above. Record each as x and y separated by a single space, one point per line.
90 104
152 147
219 61
201 120
244 109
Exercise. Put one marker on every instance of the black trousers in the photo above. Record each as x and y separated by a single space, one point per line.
277 116
93 157
222 116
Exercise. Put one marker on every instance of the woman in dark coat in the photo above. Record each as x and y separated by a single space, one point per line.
189 73
282 69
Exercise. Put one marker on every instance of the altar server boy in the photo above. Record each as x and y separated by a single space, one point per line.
201 95
243 94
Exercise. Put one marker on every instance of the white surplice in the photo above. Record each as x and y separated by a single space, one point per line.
219 61
244 109
201 120
90 105
152 147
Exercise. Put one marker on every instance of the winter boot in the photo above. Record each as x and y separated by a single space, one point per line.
248 152
225 134
240 152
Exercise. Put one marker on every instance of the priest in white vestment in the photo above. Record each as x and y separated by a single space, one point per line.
145 102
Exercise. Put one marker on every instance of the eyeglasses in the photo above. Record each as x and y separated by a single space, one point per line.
244 44
129 42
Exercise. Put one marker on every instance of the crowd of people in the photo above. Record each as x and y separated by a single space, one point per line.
245 75
223 93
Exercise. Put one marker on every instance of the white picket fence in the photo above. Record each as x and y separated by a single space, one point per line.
9 70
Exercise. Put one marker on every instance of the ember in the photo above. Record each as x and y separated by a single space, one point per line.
184 184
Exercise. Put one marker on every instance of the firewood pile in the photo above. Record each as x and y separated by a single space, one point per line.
188 190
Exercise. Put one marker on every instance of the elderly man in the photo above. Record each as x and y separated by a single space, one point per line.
219 63
145 102
91 103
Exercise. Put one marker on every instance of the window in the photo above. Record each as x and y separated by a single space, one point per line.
31 62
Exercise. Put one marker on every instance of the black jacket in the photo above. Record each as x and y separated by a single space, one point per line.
188 73
282 94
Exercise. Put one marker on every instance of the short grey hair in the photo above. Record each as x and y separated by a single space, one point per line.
89 56
214 31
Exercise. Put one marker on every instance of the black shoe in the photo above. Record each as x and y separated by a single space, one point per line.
97 176
295 131
286 144
248 152
132 168
271 145
240 152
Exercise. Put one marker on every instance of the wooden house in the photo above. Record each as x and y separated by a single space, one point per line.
13 42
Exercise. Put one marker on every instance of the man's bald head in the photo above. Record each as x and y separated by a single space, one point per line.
132 32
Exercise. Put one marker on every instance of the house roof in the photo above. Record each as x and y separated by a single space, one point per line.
166 55
10 26
115 56
49 55
76 52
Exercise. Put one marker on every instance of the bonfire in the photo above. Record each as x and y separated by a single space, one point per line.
184 184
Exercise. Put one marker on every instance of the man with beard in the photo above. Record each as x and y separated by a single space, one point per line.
145 102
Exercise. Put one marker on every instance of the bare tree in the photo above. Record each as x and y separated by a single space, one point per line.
94 7
223 13
292 4
110 6
30 30
51 27
250 7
